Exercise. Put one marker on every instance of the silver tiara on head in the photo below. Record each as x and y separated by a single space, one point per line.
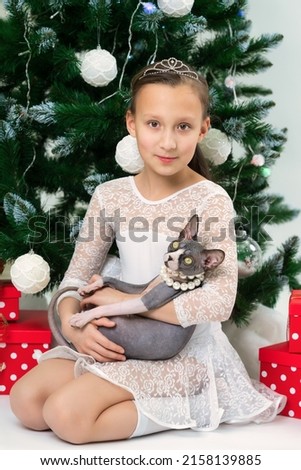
171 65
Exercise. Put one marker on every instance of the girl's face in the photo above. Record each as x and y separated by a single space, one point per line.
168 123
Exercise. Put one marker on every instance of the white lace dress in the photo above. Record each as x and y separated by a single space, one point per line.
206 383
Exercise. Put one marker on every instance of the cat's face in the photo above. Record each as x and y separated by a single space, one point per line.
186 256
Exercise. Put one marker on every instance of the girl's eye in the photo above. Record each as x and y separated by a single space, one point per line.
175 245
184 127
187 260
153 124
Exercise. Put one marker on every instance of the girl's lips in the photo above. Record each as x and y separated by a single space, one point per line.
166 159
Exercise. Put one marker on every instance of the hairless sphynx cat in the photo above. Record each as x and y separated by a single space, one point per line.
185 265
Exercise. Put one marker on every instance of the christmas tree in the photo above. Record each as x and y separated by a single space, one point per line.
65 74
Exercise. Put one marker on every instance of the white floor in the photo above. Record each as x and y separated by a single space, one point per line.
282 434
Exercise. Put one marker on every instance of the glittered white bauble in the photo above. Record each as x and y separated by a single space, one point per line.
175 8
98 67
127 155
30 273
216 146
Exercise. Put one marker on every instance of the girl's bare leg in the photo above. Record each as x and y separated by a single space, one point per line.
28 395
90 409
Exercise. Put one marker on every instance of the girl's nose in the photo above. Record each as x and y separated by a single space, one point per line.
168 141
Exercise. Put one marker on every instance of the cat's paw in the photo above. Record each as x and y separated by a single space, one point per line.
78 320
90 288
86 290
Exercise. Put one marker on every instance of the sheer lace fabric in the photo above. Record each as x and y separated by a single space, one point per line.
206 383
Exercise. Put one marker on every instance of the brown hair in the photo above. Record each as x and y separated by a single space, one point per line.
148 75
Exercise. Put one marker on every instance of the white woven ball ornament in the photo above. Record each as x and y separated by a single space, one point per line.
175 8
216 146
30 273
127 155
98 67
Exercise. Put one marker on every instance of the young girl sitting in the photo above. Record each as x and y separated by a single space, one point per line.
95 394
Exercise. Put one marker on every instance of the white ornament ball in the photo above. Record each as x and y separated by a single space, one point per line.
127 155
249 256
216 146
30 273
98 67
175 8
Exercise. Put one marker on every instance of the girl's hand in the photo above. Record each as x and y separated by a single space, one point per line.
88 340
103 296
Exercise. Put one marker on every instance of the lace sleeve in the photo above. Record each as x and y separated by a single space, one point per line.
92 245
215 299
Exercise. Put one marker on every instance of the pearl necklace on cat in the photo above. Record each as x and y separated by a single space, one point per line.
188 283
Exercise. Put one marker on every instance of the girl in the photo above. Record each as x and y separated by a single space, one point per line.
95 394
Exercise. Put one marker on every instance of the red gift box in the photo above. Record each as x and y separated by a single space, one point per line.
294 329
280 370
21 345
9 300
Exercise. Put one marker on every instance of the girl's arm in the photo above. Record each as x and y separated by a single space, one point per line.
214 301
92 245
107 296
88 340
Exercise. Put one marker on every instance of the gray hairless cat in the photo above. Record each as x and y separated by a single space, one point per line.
185 265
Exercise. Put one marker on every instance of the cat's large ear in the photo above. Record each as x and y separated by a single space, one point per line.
212 258
190 231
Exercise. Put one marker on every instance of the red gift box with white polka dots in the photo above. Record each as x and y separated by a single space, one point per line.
294 329
21 344
280 370
9 301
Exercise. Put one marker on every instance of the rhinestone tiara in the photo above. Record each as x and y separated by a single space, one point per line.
171 65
